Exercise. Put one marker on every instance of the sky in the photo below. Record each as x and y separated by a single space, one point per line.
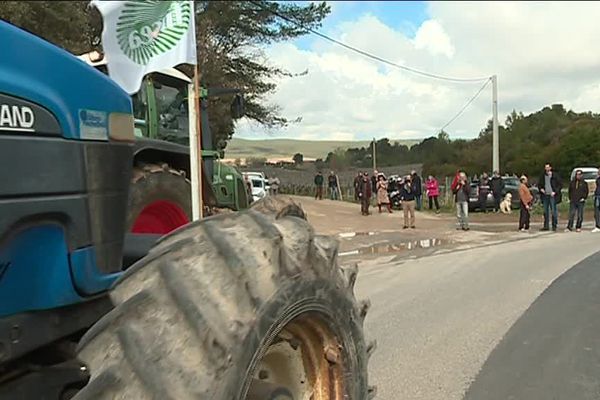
543 53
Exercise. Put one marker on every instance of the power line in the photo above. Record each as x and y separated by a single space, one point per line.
391 63
458 114
367 54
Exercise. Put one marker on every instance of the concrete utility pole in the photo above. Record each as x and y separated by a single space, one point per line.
495 139
374 155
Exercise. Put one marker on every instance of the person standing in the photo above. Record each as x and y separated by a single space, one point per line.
333 186
597 204
407 195
432 188
497 188
461 189
383 199
417 189
374 180
248 189
357 182
319 186
578 193
526 200
484 187
274 185
364 193
550 190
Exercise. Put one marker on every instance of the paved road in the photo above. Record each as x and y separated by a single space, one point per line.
438 318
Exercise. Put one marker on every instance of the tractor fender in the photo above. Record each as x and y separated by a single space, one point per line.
151 151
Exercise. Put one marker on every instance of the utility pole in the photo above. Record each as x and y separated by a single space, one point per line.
495 139
374 155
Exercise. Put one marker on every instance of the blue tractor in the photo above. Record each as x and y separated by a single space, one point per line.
248 305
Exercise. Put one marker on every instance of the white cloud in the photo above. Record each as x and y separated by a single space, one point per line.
432 37
543 53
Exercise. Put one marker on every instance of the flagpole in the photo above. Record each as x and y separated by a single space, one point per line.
199 136
196 146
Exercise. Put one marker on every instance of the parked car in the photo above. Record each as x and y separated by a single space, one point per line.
259 184
589 175
474 203
511 185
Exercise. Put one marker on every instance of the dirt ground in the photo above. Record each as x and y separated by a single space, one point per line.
363 239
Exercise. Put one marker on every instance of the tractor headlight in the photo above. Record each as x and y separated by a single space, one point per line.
121 127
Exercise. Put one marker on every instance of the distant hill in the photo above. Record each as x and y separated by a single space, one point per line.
286 148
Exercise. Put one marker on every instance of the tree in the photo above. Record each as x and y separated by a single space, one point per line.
72 25
298 159
319 164
231 36
513 118
443 136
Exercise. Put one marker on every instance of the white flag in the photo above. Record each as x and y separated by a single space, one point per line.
140 37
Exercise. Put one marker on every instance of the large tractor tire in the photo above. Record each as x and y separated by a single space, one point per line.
237 306
279 206
159 199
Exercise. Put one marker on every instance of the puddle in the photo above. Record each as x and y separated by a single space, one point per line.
400 247
354 234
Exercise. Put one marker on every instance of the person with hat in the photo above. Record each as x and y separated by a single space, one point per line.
383 198
526 200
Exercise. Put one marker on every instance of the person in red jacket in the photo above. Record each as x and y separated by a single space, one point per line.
433 192
365 193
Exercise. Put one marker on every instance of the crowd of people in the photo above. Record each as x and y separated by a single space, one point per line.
382 191
378 189
550 188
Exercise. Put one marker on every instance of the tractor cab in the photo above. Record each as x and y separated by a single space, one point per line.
161 113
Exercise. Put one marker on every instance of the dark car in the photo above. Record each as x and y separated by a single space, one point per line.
474 203
511 185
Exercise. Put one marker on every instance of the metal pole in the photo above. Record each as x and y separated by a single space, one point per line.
193 152
196 147
374 155
495 139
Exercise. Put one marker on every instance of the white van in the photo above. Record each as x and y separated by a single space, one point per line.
259 186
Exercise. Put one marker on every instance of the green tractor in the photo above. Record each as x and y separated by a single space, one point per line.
160 194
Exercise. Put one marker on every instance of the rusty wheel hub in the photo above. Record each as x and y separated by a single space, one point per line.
303 362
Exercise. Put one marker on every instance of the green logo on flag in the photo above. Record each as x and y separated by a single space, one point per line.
146 29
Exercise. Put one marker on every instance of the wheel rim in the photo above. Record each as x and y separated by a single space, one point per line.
303 362
160 217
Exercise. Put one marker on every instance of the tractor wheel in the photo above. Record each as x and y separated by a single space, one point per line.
235 307
159 200
279 206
